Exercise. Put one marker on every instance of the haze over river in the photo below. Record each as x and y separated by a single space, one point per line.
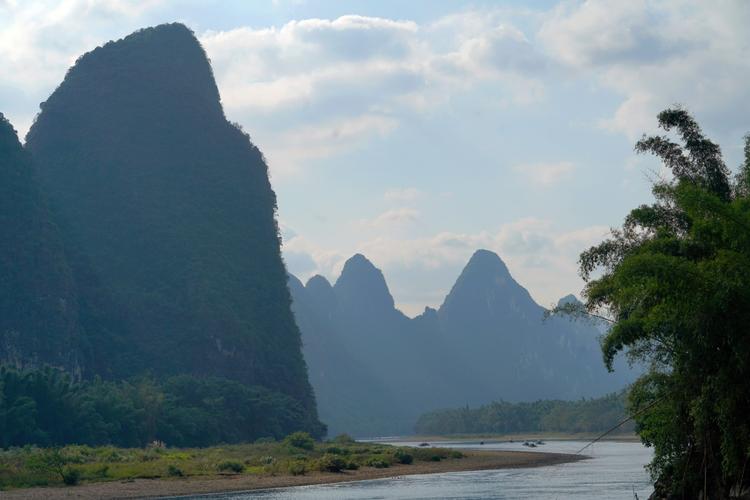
615 471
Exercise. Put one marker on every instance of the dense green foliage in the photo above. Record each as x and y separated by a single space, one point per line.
32 466
45 407
586 415
676 282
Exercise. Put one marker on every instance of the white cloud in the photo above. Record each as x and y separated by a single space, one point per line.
603 32
40 40
264 69
656 54
546 174
392 217
495 51
288 151
327 263
310 72
403 194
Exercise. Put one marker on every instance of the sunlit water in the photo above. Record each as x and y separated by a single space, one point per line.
615 470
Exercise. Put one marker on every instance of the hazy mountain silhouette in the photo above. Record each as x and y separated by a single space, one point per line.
346 390
173 207
361 289
485 291
487 341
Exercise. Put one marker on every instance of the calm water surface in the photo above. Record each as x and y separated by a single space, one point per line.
614 471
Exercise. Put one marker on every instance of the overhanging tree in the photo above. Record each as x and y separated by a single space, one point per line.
675 280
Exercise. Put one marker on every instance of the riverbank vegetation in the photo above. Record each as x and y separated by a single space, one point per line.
583 416
297 454
46 407
675 281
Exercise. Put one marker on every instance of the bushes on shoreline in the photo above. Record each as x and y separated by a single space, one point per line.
33 466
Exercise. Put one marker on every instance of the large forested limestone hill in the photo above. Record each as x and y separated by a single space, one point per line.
173 206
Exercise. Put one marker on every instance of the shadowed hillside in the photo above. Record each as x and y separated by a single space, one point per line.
38 294
174 210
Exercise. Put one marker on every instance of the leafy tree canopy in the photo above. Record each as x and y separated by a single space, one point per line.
585 415
47 408
675 280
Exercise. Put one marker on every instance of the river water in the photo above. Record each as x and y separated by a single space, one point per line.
614 471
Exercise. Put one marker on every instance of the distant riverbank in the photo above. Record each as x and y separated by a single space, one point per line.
140 488
521 436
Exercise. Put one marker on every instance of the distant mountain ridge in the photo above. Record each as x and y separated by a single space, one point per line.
487 341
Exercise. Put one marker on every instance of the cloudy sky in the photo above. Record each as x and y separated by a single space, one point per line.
416 132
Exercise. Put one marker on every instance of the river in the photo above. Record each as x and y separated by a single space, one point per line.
615 471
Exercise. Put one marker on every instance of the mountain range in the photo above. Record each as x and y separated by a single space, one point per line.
375 370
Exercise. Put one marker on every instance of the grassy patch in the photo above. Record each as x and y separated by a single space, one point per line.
32 466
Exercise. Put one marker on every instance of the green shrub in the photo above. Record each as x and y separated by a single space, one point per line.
378 463
402 456
230 466
456 454
53 461
77 454
150 455
335 450
114 456
273 469
265 440
331 463
174 471
344 439
430 454
71 476
101 472
351 465
301 440
297 468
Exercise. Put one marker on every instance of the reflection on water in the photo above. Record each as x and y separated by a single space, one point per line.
615 471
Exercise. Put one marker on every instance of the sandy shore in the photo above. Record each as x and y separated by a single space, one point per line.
144 488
